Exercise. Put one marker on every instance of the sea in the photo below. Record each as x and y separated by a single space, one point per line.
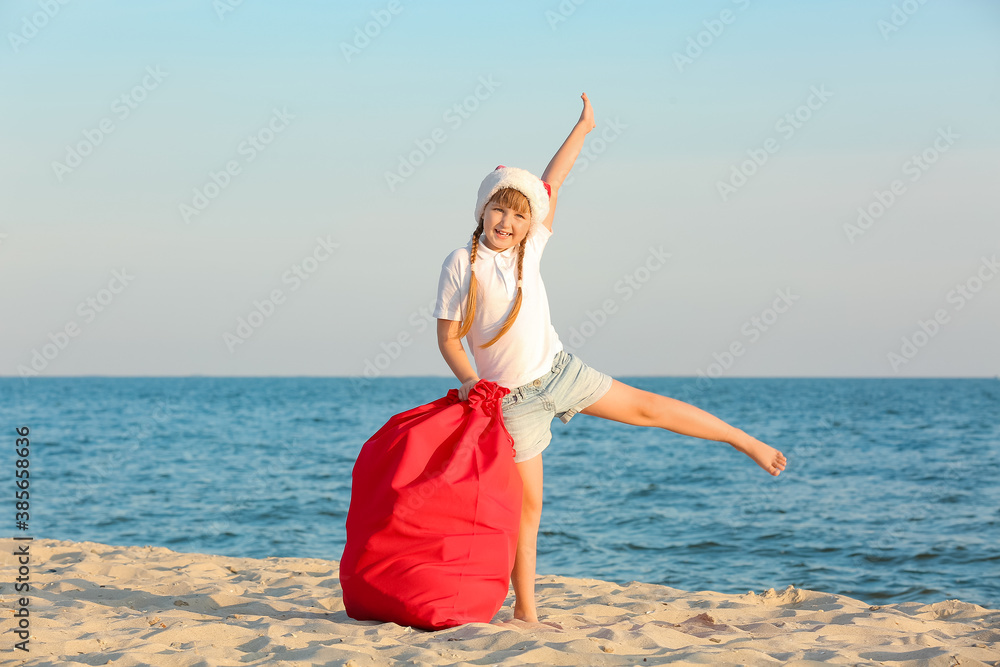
891 492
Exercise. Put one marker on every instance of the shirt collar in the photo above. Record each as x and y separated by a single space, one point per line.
504 263
507 257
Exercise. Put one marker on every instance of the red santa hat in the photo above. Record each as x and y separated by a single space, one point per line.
535 189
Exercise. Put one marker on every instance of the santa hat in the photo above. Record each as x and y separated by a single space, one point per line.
535 189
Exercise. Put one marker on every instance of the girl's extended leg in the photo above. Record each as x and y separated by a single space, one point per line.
523 575
630 405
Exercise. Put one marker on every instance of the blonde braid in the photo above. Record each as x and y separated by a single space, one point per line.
470 302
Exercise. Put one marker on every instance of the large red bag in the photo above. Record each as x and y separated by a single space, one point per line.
434 516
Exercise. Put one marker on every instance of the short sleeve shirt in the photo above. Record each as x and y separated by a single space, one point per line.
526 351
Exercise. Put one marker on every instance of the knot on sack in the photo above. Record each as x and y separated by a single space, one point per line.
487 394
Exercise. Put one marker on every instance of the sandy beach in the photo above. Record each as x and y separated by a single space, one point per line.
99 604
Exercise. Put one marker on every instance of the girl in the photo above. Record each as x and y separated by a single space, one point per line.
491 292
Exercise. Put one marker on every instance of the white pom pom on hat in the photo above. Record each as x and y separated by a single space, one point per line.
535 189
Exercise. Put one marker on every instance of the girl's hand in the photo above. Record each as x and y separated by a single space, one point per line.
463 391
587 116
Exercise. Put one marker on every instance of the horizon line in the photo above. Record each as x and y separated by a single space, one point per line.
396 377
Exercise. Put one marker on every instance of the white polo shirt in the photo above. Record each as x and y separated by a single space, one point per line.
526 351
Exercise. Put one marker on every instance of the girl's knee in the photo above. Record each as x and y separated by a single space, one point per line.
531 509
531 483
531 503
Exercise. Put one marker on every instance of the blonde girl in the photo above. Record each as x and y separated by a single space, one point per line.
491 293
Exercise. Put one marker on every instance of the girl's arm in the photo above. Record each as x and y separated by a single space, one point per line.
562 161
454 355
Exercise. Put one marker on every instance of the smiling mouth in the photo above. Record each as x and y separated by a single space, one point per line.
502 235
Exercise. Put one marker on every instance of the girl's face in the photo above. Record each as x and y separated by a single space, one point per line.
503 227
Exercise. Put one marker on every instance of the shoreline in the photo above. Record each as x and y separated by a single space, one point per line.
103 604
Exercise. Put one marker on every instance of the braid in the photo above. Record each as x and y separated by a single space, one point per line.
517 299
470 302
520 260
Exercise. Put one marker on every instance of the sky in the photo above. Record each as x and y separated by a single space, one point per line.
779 189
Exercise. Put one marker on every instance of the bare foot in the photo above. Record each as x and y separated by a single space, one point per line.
518 624
526 615
766 456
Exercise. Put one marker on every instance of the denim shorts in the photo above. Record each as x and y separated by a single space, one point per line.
528 410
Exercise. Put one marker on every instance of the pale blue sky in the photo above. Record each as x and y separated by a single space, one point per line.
672 134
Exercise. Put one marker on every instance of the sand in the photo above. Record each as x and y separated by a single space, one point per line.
98 604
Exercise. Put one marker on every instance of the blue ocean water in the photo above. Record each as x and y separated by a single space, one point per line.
890 493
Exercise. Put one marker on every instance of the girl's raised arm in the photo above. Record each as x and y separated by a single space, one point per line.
562 161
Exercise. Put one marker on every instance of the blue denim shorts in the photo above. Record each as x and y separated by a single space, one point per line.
528 410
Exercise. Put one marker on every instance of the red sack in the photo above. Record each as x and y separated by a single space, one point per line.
434 516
